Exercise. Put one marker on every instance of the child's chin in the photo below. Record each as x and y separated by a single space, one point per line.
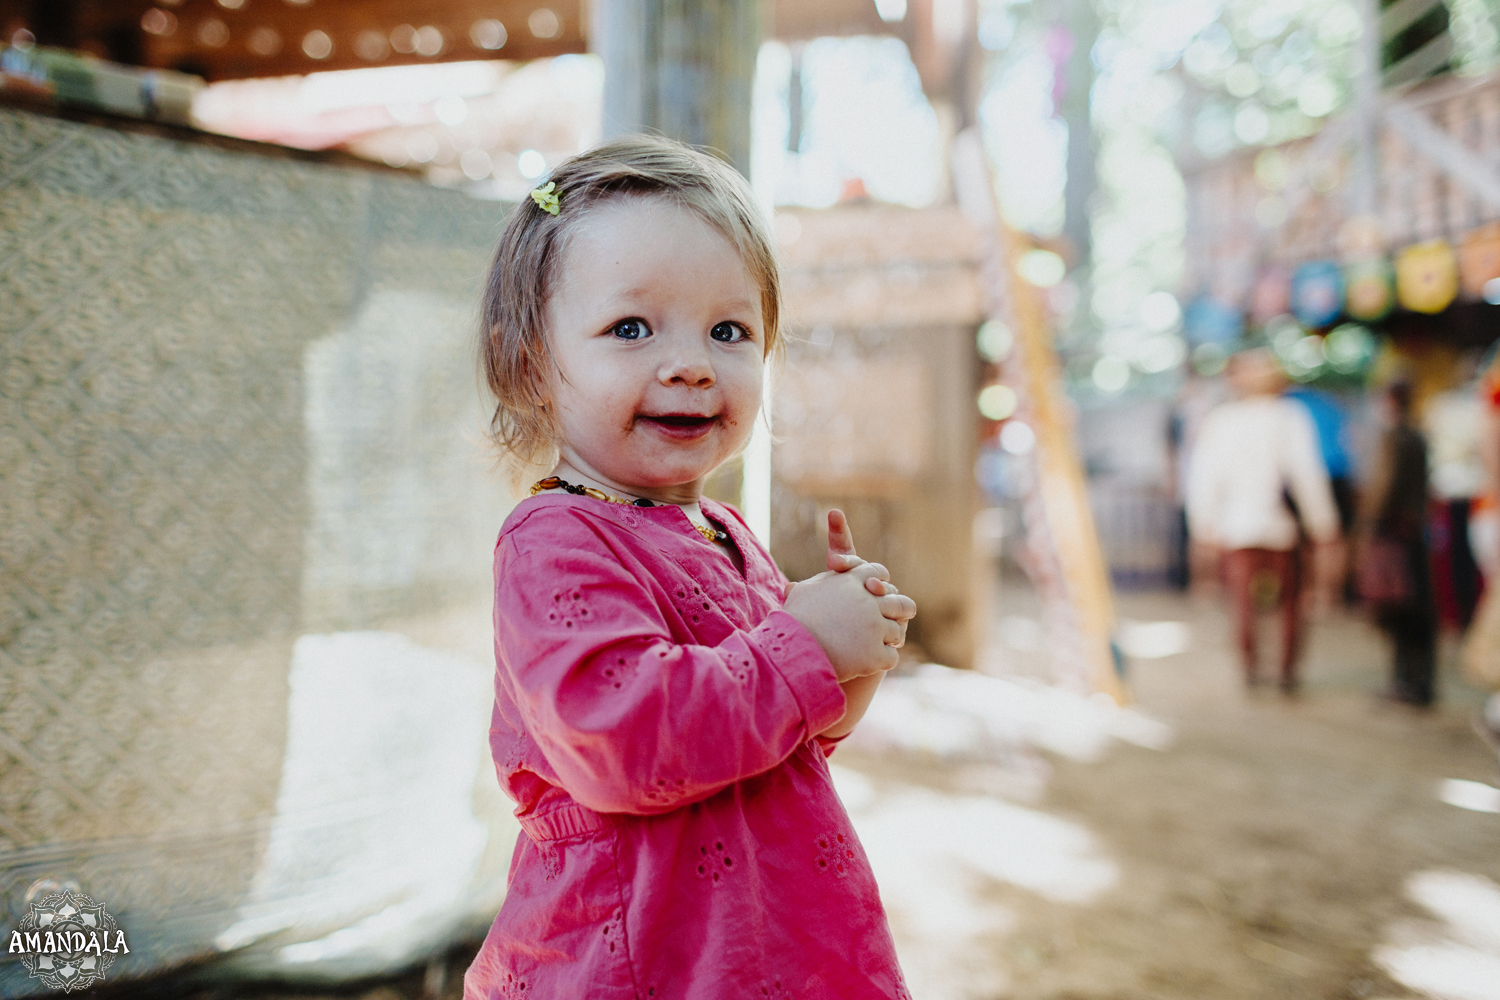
667 474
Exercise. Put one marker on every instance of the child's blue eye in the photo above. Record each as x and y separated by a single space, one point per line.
729 333
631 329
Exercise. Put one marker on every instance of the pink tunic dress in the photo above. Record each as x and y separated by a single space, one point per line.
654 712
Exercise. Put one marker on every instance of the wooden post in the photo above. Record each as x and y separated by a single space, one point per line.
680 67
1076 109
1068 565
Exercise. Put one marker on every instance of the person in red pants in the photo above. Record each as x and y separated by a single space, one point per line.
1256 483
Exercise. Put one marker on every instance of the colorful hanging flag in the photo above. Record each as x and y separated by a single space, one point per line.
1369 289
1479 259
1206 320
1427 277
1317 293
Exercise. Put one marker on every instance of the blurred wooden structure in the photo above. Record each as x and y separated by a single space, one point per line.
1289 204
257 38
874 412
1065 562
681 69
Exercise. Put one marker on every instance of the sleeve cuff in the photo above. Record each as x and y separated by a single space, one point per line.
829 743
804 666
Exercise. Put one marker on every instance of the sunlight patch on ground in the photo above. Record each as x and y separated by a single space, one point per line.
1138 640
1024 635
1154 640
1456 957
954 713
947 861
1475 795
941 860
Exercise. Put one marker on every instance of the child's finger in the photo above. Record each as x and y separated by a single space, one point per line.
897 607
879 587
869 570
840 543
894 635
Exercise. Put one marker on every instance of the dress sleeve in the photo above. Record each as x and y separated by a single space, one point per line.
830 743
630 720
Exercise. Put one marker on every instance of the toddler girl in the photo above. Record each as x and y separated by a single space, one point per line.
663 697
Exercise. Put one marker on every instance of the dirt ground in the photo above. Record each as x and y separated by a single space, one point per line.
1263 855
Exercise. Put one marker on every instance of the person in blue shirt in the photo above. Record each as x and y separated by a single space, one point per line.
1329 419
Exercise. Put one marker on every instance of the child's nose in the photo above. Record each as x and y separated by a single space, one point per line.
688 367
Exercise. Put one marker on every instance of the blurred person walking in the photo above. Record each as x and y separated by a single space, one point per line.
1256 483
1195 401
1392 564
1330 422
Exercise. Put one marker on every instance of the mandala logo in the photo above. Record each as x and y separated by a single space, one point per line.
67 941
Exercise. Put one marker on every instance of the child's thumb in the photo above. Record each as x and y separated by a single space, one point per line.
841 555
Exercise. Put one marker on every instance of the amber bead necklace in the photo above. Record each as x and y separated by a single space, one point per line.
556 483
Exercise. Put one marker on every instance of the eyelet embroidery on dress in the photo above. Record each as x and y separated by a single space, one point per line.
835 854
618 670
692 602
714 864
513 986
568 607
773 990
739 668
664 792
611 932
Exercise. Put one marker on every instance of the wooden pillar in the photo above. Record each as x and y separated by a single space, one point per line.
680 67
1077 111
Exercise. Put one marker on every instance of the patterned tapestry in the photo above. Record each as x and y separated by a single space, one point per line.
246 518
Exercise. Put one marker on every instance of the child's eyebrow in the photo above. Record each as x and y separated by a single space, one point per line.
732 305
649 294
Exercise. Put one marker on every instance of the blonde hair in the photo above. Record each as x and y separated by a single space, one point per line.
513 352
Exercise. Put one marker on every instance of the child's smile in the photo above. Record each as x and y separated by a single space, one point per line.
679 426
656 333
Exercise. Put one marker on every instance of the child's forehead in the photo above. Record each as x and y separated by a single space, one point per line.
639 211
639 241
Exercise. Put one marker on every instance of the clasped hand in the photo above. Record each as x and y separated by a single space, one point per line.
853 610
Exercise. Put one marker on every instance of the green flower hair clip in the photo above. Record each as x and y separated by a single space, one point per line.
546 198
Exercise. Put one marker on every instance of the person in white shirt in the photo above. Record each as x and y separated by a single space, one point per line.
1251 456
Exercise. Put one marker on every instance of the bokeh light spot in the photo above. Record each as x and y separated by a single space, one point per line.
544 23
995 340
488 34
1042 268
531 164
317 45
1017 438
997 402
1111 373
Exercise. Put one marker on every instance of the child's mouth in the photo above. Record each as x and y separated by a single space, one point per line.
679 426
